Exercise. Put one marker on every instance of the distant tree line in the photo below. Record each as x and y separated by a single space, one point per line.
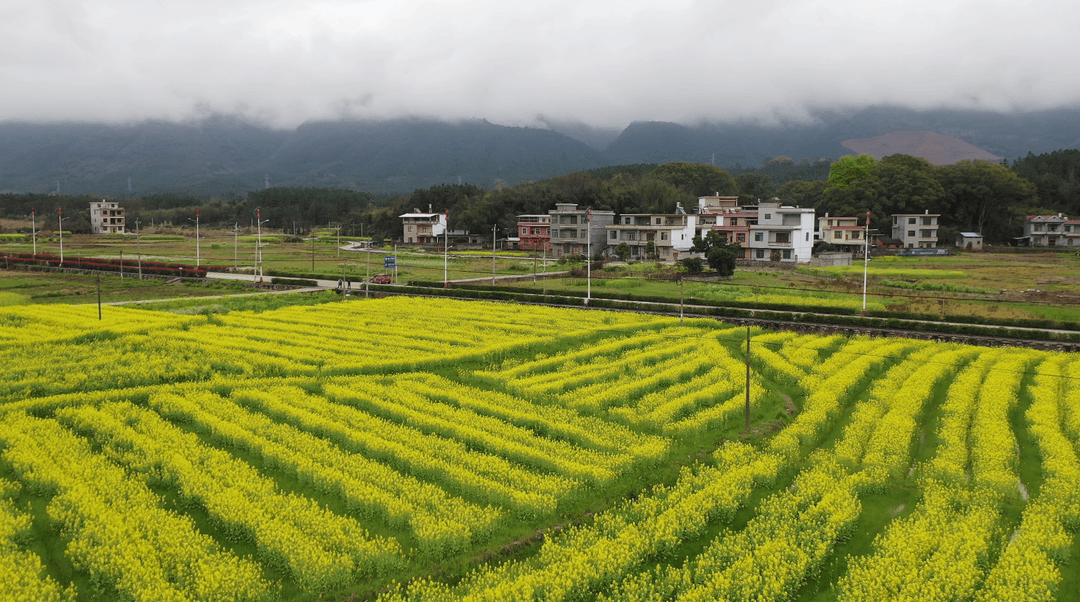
987 197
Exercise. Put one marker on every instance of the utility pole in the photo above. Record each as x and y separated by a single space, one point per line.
60 219
748 378
493 254
680 301
138 247
866 260
446 252
588 256
196 220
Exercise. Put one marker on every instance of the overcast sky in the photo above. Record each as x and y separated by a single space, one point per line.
605 63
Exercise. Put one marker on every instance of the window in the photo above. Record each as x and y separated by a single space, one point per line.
911 234
734 221
410 229
631 236
787 254
663 236
742 237
626 220
807 237
926 233
584 234
760 254
838 234
928 221
758 236
658 221
783 237
554 234
854 235
613 235
768 216
911 221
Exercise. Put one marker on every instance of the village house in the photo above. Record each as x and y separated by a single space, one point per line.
572 231
106 217
782 233
916 230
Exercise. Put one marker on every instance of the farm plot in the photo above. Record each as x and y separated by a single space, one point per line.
406 449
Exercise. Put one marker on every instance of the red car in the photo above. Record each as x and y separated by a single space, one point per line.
382 279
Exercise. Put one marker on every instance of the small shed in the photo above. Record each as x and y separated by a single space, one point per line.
972 241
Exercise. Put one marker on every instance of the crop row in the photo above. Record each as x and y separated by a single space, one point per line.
441 523
484 478
320 549
588 559
117 528
1028 567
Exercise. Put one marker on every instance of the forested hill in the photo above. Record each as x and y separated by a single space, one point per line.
227 156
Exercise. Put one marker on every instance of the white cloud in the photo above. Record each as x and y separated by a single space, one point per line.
604 63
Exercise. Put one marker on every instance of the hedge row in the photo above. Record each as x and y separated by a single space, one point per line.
891 323
107 265
814 309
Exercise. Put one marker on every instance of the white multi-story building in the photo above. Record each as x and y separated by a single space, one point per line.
916 230
671 235
106 217
782 233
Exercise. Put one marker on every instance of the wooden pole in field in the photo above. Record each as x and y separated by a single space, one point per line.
748 378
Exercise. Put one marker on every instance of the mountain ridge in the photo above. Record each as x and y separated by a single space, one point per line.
225 155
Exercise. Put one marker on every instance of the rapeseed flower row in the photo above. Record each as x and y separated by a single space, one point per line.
563 423
483 478
582 560
320 549
117 529
22 571
828 387
1027 568
442 524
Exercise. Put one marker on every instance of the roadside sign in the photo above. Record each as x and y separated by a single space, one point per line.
389 262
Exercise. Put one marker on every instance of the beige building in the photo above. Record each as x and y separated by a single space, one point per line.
843 233
422 228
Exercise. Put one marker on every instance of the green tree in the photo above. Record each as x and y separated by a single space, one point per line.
755 186
848 169
698 179
722 258
693 265
719 254
622 251
981 195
